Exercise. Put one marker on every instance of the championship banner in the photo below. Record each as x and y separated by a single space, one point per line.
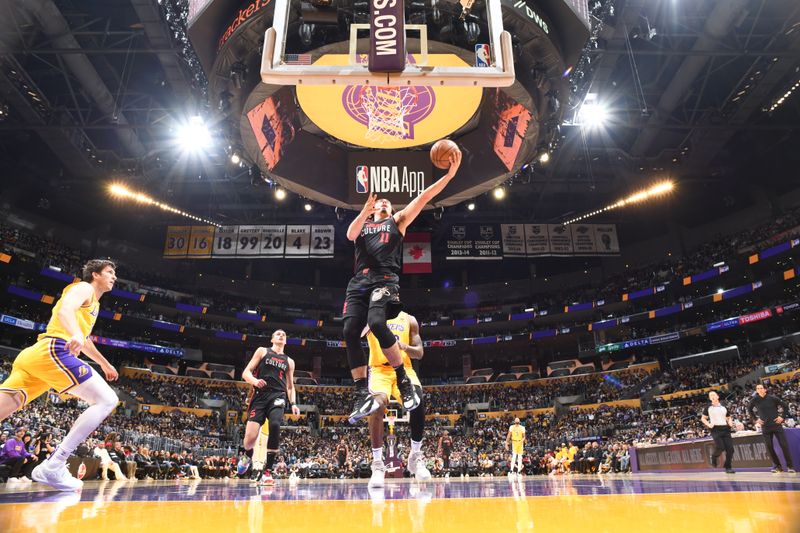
417 258
513 240
474 241
537 241
275 241
582 239
560 237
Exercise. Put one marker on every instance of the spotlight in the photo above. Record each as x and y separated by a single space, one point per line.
194 135
592 115
307 207
471 206
235 158
280 194
544 157
499 193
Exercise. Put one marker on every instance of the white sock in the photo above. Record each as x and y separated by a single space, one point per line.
102 399
416 447
377 454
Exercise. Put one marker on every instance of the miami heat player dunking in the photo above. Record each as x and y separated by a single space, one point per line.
372 295
271 373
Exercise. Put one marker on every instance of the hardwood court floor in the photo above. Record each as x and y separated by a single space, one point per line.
745 502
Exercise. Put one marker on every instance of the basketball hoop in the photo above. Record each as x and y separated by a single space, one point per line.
386 109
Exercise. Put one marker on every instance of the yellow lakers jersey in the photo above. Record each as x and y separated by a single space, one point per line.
86 317
517 433
401 328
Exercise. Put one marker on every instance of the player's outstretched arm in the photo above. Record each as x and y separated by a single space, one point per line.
406 216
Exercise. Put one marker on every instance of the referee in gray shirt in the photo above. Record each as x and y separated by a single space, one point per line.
715 417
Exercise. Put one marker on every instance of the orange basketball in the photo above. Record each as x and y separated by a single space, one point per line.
441 152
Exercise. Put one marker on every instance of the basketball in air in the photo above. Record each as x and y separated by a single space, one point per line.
441 152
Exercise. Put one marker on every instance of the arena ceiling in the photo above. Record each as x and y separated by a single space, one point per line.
93 90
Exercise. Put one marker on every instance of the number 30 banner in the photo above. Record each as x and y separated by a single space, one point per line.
269 241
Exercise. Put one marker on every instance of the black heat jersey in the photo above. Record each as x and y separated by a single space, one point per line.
379 247
272 368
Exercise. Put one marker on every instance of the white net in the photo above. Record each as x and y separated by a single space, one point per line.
386 109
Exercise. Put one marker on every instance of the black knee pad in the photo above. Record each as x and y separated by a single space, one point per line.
416 418
274 437
376 319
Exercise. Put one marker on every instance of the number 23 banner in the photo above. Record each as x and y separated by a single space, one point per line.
268 241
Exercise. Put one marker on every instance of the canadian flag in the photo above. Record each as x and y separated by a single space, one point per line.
417 253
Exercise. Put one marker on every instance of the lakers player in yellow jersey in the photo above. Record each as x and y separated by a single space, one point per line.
383 384
52 363
516 437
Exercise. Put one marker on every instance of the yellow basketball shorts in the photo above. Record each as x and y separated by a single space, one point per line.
45 365
383 380
516 447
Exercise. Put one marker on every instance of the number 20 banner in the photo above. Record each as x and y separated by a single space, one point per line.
267 241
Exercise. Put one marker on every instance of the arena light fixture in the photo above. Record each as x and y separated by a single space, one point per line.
471 206
499 193
783 97
280 194
544 157
122 192
235 158
592 113
659 189
307 207
194 136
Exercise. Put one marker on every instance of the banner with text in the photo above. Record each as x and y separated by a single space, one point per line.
247 242
536 240
474 241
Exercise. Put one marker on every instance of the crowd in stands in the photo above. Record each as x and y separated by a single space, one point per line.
179 444
51 253
176 391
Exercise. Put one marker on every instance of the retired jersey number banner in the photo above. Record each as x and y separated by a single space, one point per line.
275 241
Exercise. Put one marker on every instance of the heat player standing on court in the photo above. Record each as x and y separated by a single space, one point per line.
516 437
271 373
373 292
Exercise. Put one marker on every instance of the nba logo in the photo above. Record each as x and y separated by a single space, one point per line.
362 179
482 56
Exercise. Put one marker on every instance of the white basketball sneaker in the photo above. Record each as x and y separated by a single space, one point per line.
58 478
416 465
378 474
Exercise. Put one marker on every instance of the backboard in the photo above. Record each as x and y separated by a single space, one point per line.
386 61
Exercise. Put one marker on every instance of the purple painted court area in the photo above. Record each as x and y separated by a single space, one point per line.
403 489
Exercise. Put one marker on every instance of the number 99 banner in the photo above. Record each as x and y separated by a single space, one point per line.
270 241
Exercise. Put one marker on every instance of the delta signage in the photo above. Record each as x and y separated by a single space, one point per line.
398 176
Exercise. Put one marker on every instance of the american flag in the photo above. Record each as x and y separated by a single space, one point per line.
297 59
